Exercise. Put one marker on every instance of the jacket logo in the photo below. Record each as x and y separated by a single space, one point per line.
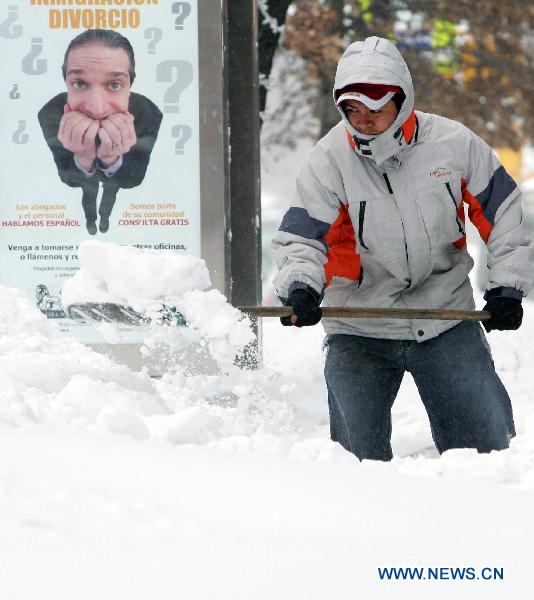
441 172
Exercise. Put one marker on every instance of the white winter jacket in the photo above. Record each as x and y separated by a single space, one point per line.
379 222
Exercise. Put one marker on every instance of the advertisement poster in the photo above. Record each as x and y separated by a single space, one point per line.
99 129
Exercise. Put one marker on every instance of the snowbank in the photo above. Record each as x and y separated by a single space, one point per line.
132 276
47 378
146 280
51 380
113 518
115 485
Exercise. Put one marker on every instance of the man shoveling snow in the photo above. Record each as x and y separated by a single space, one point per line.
378 221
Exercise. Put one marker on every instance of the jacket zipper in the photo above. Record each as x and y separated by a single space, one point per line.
390 190
386 179
360 224
458 222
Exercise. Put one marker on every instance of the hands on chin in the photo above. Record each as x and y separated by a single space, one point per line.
78 133
117 136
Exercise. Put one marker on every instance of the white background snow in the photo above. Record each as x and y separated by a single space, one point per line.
225 485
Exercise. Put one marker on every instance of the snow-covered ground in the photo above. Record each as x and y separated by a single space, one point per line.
226 485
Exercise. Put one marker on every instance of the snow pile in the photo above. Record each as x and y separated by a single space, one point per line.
224 328
247 411
115 485
49 379
278 410
132 276
46 378
145 280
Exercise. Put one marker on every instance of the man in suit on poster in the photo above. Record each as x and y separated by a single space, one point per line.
99 131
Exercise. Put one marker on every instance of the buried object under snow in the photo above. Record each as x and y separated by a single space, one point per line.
109 312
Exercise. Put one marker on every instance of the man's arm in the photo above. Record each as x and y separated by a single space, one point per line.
147 121
495 208
50 119
300 246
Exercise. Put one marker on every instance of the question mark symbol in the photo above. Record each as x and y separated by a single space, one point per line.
14 93
6 29
31 66
182 10
183 133
182 80
154 34
18 137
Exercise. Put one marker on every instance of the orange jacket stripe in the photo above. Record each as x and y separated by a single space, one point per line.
342 258
460 243
408 127
476 213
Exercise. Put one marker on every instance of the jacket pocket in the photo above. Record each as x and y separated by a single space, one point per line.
371 229
461 229
438 205
378 228
339 291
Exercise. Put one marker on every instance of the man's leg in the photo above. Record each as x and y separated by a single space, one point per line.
466 402
89 195
363 376
109 195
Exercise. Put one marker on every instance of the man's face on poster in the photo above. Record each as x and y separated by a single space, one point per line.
98 80
96 124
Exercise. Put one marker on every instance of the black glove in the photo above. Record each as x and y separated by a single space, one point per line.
305 305
506 313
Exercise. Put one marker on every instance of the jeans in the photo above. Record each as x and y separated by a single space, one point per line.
466 402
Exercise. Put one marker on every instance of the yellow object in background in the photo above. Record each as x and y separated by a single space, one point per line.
512 161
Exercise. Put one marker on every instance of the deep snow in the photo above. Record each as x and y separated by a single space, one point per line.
116 485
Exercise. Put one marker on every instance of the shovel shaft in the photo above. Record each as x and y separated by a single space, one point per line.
91 311
353 312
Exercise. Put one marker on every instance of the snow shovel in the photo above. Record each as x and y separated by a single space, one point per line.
354 312
109 312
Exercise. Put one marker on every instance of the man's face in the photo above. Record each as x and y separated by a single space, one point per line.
98 80
367 121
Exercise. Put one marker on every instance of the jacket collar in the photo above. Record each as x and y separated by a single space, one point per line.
386 145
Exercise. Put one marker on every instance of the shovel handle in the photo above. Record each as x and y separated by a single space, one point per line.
353 312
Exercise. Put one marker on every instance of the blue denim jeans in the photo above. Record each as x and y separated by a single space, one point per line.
466 402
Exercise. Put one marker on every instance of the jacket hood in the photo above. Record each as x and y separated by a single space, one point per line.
377 60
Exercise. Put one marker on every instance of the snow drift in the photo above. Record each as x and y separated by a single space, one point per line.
51 380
